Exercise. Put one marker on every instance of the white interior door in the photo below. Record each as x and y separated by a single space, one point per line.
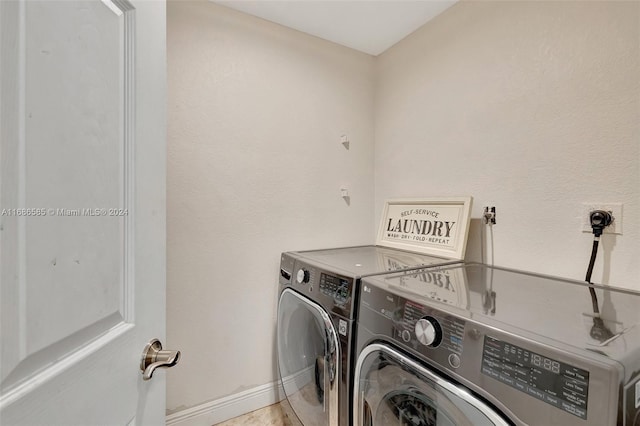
82 108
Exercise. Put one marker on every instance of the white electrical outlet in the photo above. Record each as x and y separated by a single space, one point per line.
614 208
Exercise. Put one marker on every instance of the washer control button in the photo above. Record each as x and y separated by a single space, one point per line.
406 336
454 360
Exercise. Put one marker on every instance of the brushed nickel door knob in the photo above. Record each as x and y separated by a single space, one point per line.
154 357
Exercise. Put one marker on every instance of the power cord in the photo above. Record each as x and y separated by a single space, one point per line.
599 219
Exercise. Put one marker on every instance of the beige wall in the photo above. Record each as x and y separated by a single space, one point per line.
532 107
255 167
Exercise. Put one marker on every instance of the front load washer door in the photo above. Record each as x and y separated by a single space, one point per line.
308 359
392 389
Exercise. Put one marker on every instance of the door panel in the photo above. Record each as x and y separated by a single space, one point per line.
308 359
82 210
66 253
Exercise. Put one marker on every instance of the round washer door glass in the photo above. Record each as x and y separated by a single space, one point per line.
307 359
392 389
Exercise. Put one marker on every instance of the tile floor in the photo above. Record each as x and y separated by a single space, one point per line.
273 415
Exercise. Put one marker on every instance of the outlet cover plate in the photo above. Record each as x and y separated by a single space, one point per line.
614 208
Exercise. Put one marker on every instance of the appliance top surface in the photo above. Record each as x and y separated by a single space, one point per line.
550 310
363 261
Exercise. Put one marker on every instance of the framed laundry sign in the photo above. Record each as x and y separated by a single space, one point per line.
435 226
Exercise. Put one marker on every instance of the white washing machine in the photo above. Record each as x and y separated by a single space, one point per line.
496 347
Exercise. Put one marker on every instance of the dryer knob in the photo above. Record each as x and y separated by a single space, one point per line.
428 331
302 276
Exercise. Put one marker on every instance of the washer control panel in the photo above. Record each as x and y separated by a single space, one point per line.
429 331
554 382
434 333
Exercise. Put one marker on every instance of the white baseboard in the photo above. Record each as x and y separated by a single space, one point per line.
220 410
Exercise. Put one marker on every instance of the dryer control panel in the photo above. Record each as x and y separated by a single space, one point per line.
331 290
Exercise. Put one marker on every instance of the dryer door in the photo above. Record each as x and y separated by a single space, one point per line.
392 389
308 359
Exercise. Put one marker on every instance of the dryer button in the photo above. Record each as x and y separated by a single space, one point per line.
454 360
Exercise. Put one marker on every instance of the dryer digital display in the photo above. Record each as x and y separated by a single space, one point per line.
336 287
554 382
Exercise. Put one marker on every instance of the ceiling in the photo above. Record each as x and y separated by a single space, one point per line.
368 26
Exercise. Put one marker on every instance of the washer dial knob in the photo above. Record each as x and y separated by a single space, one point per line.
428 331
302 276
